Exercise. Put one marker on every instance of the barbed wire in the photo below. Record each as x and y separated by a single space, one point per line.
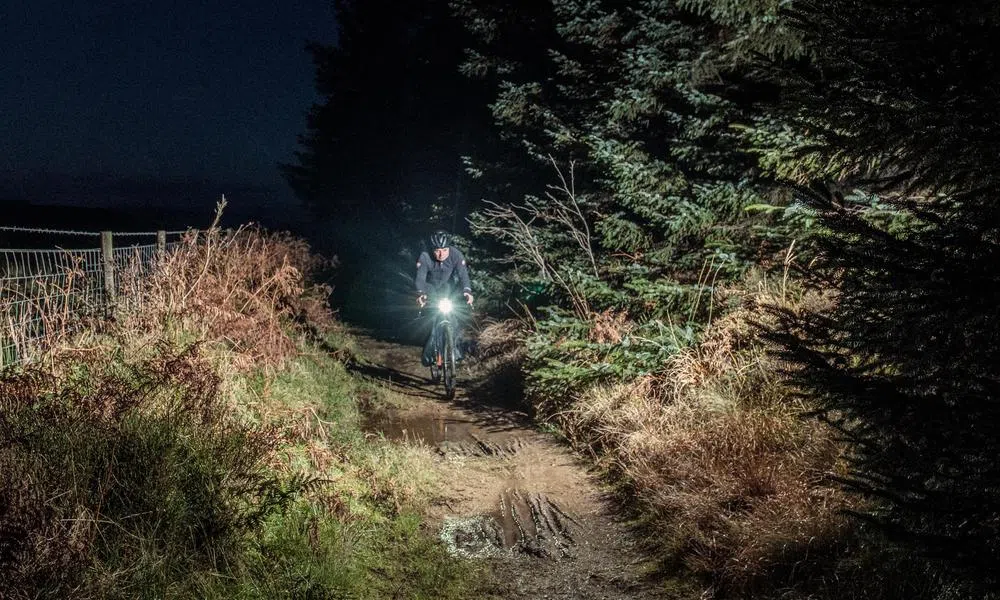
145 233
87 233
50 231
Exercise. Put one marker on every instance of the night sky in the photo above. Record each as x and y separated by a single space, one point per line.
212 91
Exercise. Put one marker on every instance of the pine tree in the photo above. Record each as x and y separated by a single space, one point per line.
655 214
876 119
885 122
396 116
658 174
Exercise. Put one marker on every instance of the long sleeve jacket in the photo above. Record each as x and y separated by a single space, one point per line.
435 277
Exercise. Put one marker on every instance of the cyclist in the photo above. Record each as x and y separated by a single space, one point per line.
435 272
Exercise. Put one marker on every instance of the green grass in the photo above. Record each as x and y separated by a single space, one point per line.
161 478
375 546
305 554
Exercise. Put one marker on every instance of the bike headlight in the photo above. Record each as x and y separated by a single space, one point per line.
445 306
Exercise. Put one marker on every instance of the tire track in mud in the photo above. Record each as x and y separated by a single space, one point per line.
514 497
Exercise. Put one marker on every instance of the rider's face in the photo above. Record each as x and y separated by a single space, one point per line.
440 254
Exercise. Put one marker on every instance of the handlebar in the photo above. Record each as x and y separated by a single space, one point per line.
422 299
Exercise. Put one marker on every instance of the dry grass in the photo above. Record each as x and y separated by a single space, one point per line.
242 288
734 483
736 489
204 437
502 342
96 456
247 291
609 327
501 352
221 303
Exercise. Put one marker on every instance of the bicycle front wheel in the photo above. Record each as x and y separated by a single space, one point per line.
449 363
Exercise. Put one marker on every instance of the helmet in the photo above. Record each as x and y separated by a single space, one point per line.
439 239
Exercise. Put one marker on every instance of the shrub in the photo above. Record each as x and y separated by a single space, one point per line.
733 481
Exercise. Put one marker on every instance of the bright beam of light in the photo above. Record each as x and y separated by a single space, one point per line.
445 306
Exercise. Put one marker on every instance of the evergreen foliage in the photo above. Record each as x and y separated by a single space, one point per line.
709 134
901 100
665 204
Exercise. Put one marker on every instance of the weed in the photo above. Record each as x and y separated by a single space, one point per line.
135 466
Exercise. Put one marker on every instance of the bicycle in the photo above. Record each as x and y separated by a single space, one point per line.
445 363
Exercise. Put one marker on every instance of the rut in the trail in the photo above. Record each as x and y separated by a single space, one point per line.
480 447
535 524
519 521
523 523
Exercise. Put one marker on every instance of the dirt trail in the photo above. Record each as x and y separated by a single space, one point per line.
515 497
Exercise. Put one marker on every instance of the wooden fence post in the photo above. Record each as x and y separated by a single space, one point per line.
161 243
108 259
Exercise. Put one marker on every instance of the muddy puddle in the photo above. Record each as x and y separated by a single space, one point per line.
420 428
450 431
521 523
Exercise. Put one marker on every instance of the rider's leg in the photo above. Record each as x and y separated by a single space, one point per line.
427 358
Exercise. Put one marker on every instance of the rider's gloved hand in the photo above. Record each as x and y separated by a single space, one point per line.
422 300
468 298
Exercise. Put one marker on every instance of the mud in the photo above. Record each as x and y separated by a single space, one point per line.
430 429
514 497
446 431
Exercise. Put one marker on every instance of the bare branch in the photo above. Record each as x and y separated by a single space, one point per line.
519 226
569 213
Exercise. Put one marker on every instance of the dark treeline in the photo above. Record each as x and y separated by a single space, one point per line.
380 159
629 159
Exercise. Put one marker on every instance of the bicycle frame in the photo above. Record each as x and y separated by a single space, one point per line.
444 344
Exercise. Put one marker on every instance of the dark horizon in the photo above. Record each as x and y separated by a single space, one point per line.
158 107
37 198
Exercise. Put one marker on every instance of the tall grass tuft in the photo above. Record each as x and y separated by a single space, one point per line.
500 356
249 290
733 481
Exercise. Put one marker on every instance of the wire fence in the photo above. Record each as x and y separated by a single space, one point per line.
45 289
